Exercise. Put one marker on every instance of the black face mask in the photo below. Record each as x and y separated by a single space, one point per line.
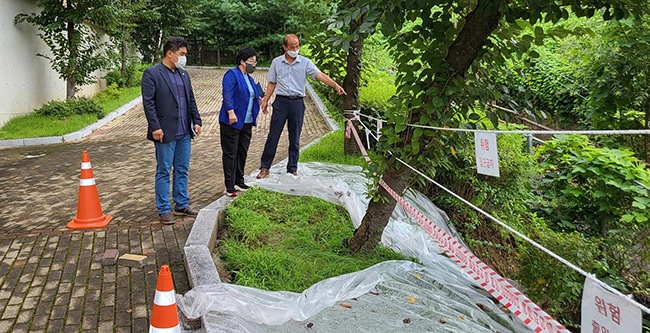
250 68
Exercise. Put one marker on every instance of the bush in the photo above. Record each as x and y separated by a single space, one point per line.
603 194
57 109
549 283
132 77
62 109
593 190
552 285
84 105
111 92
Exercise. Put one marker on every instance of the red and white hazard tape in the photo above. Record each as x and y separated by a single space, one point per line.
349 128
520 305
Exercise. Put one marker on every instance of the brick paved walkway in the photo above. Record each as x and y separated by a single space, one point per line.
51 278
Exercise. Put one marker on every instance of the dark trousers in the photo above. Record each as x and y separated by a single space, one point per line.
234 144
291 112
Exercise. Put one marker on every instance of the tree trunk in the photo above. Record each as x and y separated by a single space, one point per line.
123 49
646 138
72 51
124 57
158 45
351 84
368 235
479 25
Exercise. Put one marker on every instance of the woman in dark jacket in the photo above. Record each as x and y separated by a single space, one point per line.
238 115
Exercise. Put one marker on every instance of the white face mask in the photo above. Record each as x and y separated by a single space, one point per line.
182 60
293 54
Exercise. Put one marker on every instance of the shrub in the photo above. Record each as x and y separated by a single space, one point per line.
602 193
132 77
84 105
111 92
62 109
552 285
57 109
593 190
505 197
549 283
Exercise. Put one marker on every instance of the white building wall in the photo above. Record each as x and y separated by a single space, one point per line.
26 80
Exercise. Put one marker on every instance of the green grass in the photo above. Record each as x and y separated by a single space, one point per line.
33 125
283 242
126 95
330 149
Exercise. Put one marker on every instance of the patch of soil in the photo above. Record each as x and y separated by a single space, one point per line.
224 273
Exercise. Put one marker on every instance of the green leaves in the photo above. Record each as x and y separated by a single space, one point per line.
599 184
74 44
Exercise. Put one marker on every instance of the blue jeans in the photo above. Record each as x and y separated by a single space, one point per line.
177 154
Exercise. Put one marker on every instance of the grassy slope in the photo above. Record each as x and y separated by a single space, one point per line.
33 125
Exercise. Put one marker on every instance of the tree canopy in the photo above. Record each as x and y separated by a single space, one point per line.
234 24
72 30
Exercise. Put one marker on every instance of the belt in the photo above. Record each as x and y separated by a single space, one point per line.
291 97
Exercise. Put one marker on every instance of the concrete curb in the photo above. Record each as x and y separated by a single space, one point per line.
199 260
74 135
321 108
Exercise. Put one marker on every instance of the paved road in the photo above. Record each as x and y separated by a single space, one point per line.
51 278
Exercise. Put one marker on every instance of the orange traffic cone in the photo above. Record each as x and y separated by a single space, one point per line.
164 316
89 211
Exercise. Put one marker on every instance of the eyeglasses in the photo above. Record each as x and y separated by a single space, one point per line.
251 62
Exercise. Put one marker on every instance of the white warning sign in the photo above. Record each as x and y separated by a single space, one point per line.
487 157
605 312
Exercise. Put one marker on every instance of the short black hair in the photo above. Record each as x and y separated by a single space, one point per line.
174 43
244 54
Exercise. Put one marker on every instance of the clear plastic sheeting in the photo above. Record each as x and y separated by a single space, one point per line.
347 185
391 296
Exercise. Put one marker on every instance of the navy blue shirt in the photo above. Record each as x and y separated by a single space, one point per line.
178 87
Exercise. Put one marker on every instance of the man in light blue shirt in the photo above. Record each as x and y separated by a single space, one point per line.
287 77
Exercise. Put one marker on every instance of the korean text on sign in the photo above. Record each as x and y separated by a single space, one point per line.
605 312
487 157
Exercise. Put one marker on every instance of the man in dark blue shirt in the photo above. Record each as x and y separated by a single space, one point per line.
173 120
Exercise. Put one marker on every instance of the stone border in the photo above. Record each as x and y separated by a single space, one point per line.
199 259
74 135
321 108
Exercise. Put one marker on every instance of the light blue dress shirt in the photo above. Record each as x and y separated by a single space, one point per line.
290 79
249 109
